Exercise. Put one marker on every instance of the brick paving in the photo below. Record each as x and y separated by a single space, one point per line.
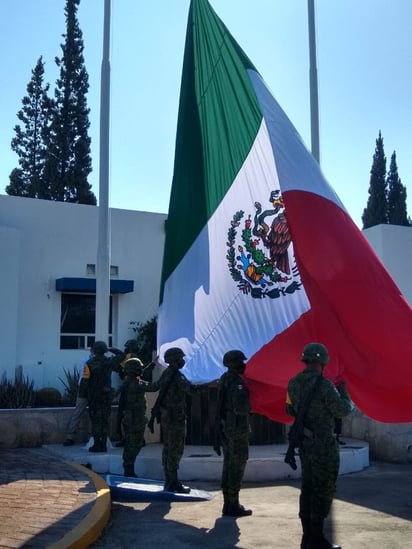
42 498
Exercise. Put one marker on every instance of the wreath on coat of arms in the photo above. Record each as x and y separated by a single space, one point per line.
259 261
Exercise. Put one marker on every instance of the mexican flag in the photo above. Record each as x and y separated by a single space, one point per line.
260 254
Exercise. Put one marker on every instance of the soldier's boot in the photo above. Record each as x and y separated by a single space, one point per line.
129 471
317 540
167 480
99 445
173 484
225 504
234 509
304 544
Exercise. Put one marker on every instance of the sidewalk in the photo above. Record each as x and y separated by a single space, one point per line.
372 510
47 502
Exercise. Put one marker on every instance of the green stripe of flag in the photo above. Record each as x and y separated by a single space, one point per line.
218 121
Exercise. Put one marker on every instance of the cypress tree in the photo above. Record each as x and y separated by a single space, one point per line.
28 142
68 162
376 211
397 210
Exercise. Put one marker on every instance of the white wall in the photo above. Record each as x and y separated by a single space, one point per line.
393 245
43 240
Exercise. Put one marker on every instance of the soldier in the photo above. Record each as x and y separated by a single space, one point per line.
79 411
95 385
319 452
172 407
132 412
131 349
233 425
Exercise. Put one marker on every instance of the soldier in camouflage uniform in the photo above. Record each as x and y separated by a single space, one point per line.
233 422
173 388
95 385
132 412
131 349
318 451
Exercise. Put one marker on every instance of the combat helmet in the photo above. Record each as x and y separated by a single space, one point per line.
131 345
315 352
133 366
233 357
172 354
99 348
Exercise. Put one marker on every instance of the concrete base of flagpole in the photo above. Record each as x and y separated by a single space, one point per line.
200 463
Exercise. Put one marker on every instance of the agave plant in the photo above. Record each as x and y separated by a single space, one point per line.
71 385
19 393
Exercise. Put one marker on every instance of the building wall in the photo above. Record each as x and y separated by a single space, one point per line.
41 241
393 245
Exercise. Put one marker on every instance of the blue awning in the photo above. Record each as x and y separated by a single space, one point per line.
89 285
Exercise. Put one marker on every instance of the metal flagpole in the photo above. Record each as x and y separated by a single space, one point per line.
313 83
103 248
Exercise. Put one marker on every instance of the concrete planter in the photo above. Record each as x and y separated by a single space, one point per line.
390 442
31 427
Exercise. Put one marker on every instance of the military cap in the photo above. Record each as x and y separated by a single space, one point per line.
232 357
315 353
99 348
173 353
133 366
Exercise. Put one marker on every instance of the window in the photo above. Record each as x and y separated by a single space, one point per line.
77 323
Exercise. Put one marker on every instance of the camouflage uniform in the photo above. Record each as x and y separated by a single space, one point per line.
235 433
95 385
173 420
319 451
132 412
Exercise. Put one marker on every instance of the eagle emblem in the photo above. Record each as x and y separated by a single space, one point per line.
260 259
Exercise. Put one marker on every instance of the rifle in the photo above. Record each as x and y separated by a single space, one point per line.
218 423
156 410
297 431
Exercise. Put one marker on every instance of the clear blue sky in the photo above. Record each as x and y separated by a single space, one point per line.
364 53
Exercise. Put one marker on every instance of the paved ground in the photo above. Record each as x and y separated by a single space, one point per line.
44 500
373 510
47 503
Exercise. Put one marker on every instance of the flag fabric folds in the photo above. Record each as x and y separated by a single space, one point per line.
260 254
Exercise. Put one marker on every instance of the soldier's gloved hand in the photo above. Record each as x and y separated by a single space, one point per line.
341 385
115 351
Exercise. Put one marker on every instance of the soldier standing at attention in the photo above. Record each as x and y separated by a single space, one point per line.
95 385
319 451
233 423
171 406
132 412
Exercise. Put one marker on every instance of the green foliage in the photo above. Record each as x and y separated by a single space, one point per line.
53 144
71 385
28 143
48 397
146 337
68 161
376 211
18 393
387 196
397 211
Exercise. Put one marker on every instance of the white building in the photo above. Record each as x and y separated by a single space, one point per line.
48 255
47 279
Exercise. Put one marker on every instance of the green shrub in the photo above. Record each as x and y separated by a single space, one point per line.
47 397
146 338
71 386
18 393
